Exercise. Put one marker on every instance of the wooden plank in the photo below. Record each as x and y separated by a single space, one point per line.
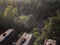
7 37
21 39
26 39
50 42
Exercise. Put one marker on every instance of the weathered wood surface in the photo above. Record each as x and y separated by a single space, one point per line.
20 40
7 37
2 31
26 39
50 42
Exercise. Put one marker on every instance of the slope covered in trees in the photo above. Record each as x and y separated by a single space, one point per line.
40 17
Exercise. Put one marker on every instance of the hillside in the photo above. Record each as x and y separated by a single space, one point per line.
39 17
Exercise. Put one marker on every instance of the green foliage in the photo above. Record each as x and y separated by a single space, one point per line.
58 13
24 18
35 32
14 11
52 29
26 1
33 11
8 11
28 21
36 35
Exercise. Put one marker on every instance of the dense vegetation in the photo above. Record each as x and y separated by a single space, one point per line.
40 17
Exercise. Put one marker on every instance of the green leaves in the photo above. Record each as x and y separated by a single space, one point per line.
24 18
52 29
8 10
14 11
36 35
26 1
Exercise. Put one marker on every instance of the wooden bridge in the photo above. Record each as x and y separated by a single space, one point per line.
9 37
26 39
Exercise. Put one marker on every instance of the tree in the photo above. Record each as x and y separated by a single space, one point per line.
52 29
7 11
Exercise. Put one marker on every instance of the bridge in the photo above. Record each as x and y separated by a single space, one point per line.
26 39
10 37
